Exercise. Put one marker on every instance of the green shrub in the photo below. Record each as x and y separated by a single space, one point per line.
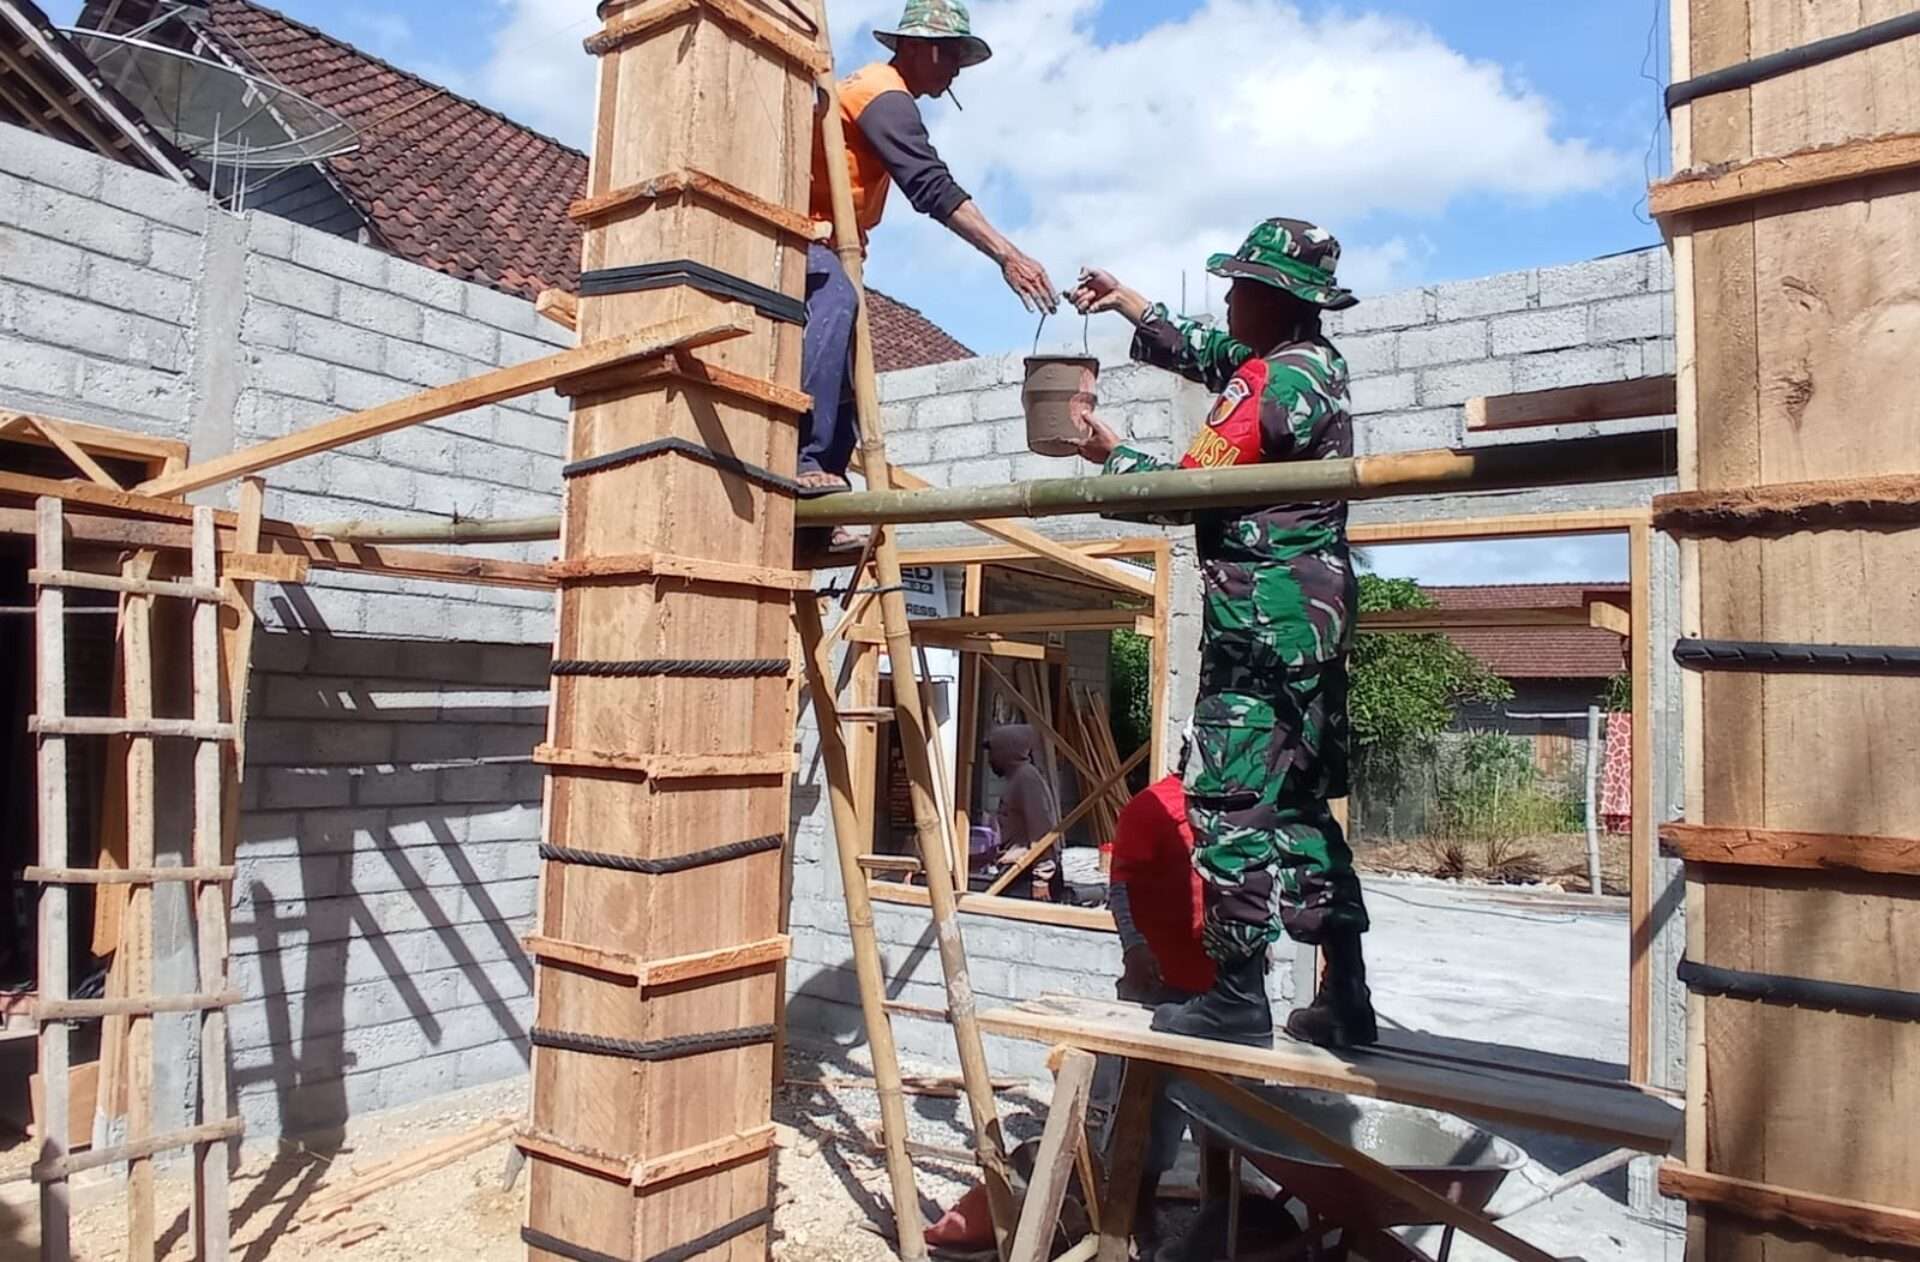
1130 690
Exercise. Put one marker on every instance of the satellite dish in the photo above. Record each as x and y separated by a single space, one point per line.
219 115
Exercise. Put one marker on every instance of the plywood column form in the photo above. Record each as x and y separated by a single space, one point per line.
644 1145
1798 335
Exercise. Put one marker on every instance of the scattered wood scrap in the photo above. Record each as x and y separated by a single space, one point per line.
348 1235
943 1086
404 1168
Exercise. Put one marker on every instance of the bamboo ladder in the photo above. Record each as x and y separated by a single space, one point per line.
211 879
933 825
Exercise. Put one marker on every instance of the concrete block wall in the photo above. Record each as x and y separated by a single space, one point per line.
391 808
1419 355
387 874
1416 357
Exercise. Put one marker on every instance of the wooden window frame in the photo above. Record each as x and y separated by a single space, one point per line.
1633 523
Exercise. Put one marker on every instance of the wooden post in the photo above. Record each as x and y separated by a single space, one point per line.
212 1215
867 964
1592 785
237 624
1778 386
912 721
1059 1147
1640 866
1161 655
645 859
56 947
137 940
1127 1158
966 756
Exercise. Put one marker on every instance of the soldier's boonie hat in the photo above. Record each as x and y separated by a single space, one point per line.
941 20
1293 255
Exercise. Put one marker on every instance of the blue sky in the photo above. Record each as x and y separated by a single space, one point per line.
1439 139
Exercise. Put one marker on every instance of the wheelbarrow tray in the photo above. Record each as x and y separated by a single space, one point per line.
1443 1153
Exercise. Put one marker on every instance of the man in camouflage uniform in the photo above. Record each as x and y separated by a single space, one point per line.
1271 718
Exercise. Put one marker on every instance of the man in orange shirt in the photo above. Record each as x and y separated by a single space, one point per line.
887 144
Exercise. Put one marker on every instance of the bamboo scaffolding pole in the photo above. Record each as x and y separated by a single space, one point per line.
435 530
912 723
212 1205
1612 458
818 661
137 930
56 1214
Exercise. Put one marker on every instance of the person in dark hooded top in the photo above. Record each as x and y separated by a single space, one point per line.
1028 809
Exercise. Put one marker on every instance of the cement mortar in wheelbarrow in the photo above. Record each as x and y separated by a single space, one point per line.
1441 1152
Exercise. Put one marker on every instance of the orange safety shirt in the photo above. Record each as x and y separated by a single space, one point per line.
867 169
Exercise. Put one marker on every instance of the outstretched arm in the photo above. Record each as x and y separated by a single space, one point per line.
1198 352
1025 277
893 126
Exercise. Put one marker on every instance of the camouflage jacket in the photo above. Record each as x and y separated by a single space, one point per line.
1280 576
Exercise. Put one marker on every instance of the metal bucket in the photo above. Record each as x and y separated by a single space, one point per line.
1057 387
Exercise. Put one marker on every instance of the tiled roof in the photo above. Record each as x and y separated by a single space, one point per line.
455 186
1550 653
903 338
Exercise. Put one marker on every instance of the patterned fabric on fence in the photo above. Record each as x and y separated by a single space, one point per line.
1616 786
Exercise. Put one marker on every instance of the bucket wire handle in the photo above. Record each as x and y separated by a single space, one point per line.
1086 334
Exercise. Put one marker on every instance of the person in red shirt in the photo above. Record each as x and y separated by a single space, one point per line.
1155 894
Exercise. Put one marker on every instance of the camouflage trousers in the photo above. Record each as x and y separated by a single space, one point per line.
1269 754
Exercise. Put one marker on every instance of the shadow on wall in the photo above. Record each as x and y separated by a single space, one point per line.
388 870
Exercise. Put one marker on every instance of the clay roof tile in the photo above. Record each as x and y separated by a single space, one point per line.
435 167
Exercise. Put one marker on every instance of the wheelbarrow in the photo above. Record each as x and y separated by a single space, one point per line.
1445 1154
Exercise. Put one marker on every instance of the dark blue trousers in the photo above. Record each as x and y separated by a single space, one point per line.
827 433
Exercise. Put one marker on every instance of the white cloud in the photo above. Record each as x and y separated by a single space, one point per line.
537 72
1146 156
1574 559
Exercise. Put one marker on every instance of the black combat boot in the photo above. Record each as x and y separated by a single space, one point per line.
1234 1011
1341 1014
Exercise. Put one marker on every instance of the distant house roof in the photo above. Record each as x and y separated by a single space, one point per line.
463 189
47 85
1546 653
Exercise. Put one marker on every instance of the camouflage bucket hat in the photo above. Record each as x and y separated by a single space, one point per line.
939 19
1293 255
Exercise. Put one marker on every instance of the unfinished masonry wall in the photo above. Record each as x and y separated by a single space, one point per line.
391 807
1417 356
387 865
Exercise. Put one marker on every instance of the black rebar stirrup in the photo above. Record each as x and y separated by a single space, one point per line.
1797 659
1747 73
662 867
708 280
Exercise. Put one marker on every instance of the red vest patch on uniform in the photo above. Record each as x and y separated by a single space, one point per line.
1232 435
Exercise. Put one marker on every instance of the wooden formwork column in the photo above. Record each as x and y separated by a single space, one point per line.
671 737
1797 339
